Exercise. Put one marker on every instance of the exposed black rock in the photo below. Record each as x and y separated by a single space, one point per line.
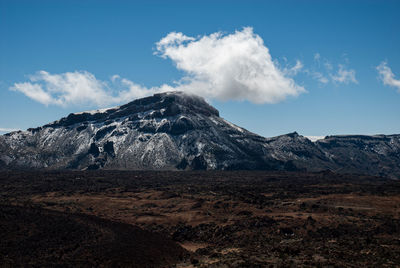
199 163
175 130
94 150
109 148
182 165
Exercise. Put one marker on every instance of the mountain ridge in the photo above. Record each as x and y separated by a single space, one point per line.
175 130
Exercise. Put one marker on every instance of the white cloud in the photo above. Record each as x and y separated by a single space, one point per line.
387 76
235 66
34 91
79 88
345 76
173 38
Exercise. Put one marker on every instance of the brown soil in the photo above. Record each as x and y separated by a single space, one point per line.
231 219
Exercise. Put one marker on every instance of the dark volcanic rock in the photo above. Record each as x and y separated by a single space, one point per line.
175 130
35 237
156 132
378 155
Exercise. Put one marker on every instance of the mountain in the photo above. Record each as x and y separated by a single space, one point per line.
377 155
175 130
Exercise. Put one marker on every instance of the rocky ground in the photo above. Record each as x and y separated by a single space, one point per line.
199 219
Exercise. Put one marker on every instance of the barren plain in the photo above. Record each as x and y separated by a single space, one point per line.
198 219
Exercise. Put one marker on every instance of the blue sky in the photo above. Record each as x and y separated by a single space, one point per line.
335 65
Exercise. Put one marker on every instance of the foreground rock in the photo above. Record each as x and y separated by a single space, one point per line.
36 237
223 218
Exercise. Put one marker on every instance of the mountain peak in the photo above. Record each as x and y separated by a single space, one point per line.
159 105
176 130
189 103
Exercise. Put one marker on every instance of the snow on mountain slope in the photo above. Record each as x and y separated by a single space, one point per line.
175 130
165 131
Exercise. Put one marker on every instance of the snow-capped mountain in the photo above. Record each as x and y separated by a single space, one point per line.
176 130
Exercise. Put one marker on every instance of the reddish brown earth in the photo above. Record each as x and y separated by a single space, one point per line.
222 219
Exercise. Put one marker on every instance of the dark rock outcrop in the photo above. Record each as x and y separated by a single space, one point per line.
175 130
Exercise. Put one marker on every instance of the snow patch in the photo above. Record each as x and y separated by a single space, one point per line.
98 111
315 138
234 126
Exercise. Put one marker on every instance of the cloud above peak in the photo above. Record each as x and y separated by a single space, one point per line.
236 66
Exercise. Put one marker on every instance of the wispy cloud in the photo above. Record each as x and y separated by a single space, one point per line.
2 129
317 57
324 72
387 76
236 66
320 77
344 75
294 70
78 88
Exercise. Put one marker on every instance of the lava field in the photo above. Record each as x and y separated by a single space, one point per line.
198 219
